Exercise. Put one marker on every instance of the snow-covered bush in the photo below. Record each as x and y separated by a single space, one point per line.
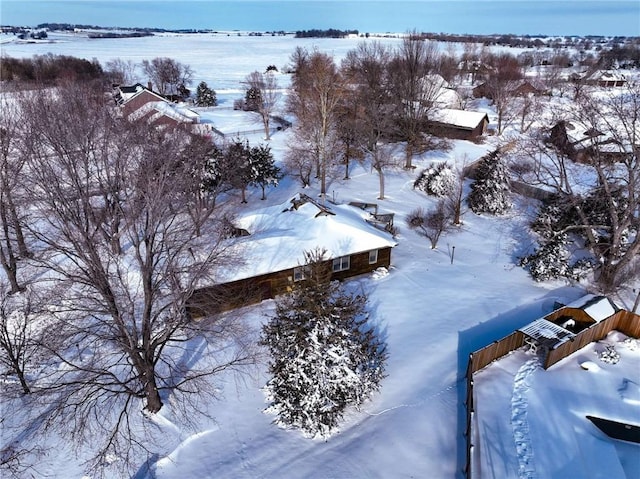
490 192
550 261
437 180
324 355
609 355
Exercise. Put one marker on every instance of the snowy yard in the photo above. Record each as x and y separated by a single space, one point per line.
531 422
433 309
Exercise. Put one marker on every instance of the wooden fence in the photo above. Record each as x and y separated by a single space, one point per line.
478 360
624 321
481 358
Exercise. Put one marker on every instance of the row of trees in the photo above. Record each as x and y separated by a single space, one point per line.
106 229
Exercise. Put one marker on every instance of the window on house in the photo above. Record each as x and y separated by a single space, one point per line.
341 264
300 273
373 256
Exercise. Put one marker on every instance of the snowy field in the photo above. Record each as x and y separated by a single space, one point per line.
546 414
432 309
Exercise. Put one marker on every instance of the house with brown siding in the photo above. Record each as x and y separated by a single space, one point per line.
274 249
458 124
140 103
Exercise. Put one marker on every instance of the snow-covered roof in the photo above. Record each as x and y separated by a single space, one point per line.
281 234
127 93
606 75
547 333
180 114
448 98
460 118
598 308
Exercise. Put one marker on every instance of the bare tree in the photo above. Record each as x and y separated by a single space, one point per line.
454 199
605 211
500 85
432 224
537 162
365 69
317 88
266 86
18 335
299 161
124 309
168 76
617 166
122 72
13 245
413 90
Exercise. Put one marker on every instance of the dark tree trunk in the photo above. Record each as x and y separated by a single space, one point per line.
152 395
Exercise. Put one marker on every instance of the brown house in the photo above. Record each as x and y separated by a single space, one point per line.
458 124
582 145
605 78
274 252
141 103
520 88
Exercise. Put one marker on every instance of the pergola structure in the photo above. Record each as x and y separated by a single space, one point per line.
545 334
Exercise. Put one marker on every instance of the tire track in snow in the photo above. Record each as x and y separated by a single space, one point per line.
519 406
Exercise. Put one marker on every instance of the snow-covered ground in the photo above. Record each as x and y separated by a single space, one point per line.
532 423
433 308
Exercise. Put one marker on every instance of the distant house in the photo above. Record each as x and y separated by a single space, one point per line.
140 103
605 78
582 144
529 87
274 252
458 124
518 88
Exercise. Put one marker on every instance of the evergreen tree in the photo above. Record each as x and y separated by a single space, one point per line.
205 96
265 171
324 356
238 164
252 99
550 261
490 192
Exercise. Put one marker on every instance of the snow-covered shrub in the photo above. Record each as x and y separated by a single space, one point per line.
609 355
550 261
632 344
324 356
437 180
490 193
582 268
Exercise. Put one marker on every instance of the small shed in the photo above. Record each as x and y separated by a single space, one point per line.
584 312
458 124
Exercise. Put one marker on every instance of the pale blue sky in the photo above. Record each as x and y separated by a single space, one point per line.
562 17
